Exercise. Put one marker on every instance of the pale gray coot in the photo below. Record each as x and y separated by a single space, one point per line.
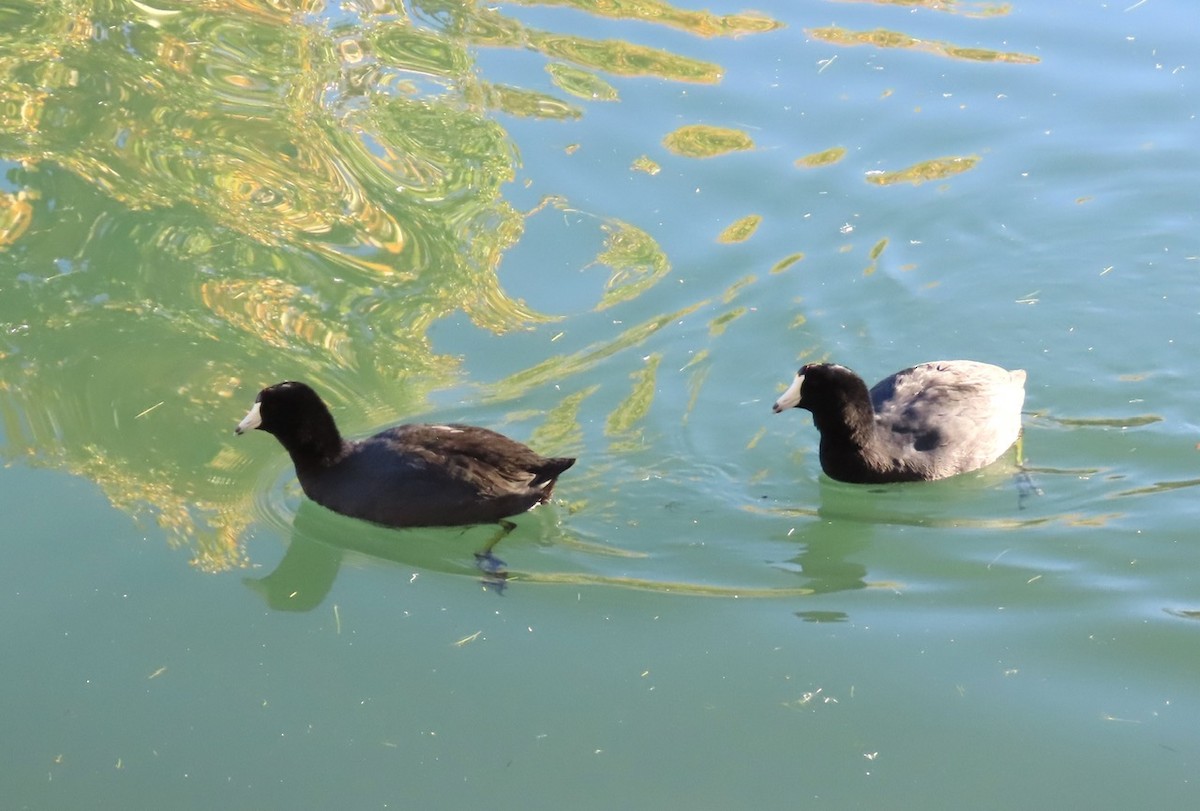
412 475
927 422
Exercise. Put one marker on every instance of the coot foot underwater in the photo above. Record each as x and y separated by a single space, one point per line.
495 571
926 422
414 475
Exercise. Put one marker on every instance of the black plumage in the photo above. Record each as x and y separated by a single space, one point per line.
411 475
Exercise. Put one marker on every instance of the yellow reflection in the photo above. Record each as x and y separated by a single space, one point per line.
523 103
874 254
490 28
883 38
678 588
741 230
918 173
561 434
825 158
271 310
701 23
646 165
637 262
16 215
731 292
561 367
1159 487
786 262
626 59
581 83
705 141
634 408
1135 421
719 324
967 9
700 368
257 196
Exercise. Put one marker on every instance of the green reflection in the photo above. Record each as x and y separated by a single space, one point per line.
636 261
704 141
874 254
824 158
741 230
490 28
883 38
205 198
1135 421
560 367
581 83
918 173
644 164
786 262
701 23
967 9
633 409
561 433
700 367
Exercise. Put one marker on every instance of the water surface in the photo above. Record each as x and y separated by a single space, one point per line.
613 231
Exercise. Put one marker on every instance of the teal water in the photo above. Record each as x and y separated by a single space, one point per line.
429 211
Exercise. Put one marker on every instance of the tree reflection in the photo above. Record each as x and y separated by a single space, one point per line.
199 197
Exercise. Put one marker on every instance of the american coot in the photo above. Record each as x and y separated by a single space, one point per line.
407 476
928 422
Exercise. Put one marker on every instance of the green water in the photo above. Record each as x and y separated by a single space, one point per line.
613 231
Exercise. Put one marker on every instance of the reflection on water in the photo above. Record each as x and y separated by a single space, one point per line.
883 38
936 169
321 541
964 7
201 199
320 189
706 141
825 157
701 23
